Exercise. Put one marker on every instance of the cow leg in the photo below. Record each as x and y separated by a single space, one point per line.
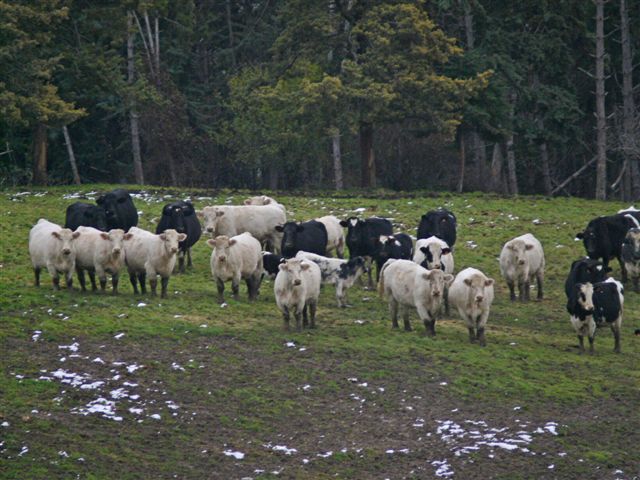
81 279
92 277
181 261
164 283
305 316
481 339
220 285
69 279
313 306
235 288
37 270
405 319
102 277
581 340
539 280
250 287
615 328
521 292
153 283
142 278
134 282
527 290
115 278
393 310
512 288
447 310
430 327
591 350
298 315
472 334
285 317
623 270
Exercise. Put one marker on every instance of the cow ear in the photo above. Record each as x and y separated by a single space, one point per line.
233 241
182 237
247 202
424 250
128 236
219 213
75 235
580 236
305 266
510 246
448 278
188 210
344 223
427 275
163 236
200 213
488 282
467 281
211 242
446 251
282 266
56 234
528 247
279 228
104 235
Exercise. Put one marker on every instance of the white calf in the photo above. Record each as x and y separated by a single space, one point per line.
522 260
297 288
100 253
337 271
472 294
149 255
234 259
407 284
335 234
52 247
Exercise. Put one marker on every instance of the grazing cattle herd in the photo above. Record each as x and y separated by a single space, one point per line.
255 240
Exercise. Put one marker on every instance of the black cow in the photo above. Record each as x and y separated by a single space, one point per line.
440 223
309 236
608 298
398 245
81 214
181 216
271 263
585 270
603 237
362 235
119 208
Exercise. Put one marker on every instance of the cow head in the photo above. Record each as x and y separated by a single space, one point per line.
438 281
433 253
221 245
65 239
292 269
290 231
477 286
355 230
170 239
584 296
518 249
631 244
116 237
211 217
96 217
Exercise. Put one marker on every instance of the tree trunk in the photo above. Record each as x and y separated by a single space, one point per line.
337 159
496 169
601 128
463 161
133 114
367 156
72 157
546 172
511 166
631 151
40 155
230 29
468 25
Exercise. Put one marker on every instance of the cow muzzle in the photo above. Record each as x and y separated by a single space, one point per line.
209 229
520 262
297 282
174 249
116 251
66 251
479 299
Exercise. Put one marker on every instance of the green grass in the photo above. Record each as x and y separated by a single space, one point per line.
242 387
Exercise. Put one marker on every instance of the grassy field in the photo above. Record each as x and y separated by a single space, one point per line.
101 386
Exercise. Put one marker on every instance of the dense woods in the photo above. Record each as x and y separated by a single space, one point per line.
511 97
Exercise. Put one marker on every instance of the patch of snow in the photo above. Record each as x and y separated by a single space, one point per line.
142 304
236 455
155 416
36 335
281 448
73 347
118 336
325 454
443 468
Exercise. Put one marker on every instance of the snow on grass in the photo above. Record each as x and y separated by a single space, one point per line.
234 454
443 469
281 448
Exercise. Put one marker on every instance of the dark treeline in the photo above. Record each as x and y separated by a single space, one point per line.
503 96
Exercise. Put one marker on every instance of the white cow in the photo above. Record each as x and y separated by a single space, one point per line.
335 234
337 271
263 200
100 253
149 255
472 294
235 259
407 284
435 253
297 288
52 247
522 260
232 220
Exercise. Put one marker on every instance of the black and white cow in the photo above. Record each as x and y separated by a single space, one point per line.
608 306
271 263
585 270
309 236
440 223
362 235
603 237
337 271
81 214
119 209
181 216
398 246
580 308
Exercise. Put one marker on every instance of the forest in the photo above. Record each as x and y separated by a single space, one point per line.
533 97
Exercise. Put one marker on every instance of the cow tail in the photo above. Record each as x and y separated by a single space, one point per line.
381 281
